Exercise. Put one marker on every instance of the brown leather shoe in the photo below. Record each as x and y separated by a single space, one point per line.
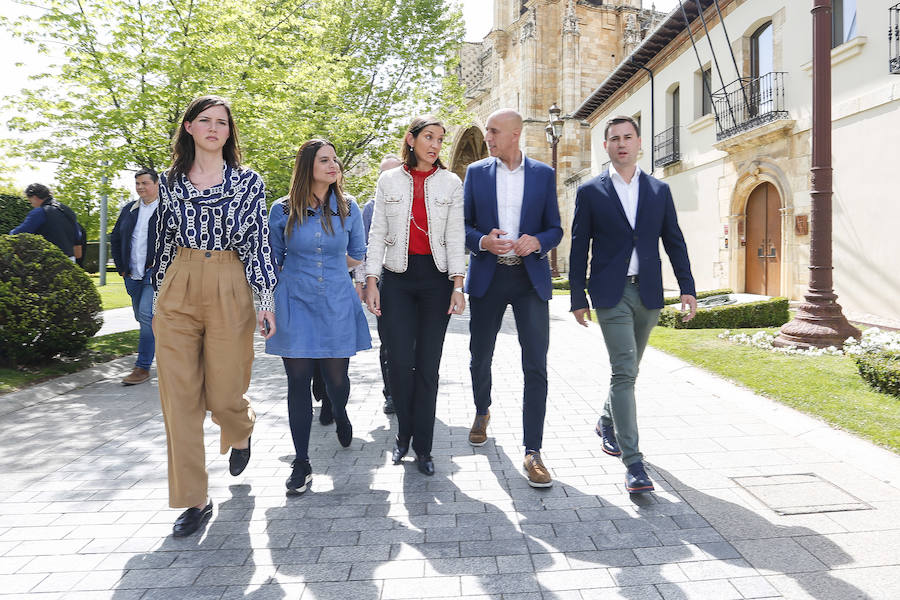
478 433
538 475
137 376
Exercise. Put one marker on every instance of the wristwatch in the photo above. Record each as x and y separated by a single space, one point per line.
458 289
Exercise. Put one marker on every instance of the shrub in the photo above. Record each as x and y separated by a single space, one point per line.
560 283
48 305
699 296
12 211
881 370
764 313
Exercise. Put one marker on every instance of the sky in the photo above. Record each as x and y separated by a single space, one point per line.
478 15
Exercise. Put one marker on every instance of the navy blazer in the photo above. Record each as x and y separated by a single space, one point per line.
540 218
120 238
600 223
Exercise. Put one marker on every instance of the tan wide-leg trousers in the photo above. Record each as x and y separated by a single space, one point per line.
204 325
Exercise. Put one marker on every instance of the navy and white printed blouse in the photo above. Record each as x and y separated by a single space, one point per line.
228 216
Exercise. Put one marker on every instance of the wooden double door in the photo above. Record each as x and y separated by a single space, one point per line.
763 250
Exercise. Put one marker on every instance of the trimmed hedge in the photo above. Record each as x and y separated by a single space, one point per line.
881 370
12 211
48 304
561 283
700 295
764 313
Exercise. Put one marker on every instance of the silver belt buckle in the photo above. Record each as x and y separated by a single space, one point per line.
509 260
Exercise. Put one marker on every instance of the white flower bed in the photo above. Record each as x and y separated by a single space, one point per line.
873 339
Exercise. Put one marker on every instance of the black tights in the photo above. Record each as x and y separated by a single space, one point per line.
300 373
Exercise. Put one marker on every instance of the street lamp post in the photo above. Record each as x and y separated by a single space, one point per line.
819 321
554 132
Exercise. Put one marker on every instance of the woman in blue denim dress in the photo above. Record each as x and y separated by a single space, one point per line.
316 233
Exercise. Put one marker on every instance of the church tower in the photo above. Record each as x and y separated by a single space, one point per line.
541 52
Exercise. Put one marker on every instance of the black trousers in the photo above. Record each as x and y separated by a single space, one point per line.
511 286
383 357
414 321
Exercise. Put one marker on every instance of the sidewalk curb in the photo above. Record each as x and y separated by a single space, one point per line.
64 384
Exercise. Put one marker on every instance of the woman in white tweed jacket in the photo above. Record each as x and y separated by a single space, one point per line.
417 249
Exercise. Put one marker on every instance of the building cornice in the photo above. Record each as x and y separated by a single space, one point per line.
646 52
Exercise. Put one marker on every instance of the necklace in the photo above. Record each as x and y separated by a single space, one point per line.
413 219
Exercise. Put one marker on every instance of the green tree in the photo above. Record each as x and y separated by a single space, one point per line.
354 71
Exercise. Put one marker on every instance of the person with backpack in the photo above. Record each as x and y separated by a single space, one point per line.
52 220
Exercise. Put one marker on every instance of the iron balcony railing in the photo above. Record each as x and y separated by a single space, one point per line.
666 147
894 39
747 103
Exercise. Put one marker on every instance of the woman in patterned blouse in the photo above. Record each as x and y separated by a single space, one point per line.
213 264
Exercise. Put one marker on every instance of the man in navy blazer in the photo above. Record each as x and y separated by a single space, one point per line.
621 215
133 241
512 222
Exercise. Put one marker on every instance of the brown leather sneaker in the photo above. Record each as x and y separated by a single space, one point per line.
478 433
137 376
538 475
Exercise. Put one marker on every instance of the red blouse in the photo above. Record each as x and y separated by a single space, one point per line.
418 226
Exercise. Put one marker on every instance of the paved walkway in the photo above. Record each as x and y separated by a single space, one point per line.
742 486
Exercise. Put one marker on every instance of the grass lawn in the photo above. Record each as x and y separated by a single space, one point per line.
99 350
828 387
113 294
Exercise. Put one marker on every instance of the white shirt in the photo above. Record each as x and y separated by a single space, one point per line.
510 192
139 238
628 196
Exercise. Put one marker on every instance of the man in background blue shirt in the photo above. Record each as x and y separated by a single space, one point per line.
50 219
133 242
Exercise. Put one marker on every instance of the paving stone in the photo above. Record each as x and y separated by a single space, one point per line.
699 590
778 556
430 587
507 583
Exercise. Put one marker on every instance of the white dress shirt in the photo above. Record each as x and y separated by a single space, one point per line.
628 196
510 193
139 238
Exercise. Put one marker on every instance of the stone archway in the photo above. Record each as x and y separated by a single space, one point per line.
468 148
762 179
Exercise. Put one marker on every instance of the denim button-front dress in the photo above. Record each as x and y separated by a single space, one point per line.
317 311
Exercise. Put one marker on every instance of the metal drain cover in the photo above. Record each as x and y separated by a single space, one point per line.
800 494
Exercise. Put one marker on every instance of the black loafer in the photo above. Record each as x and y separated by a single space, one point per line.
325 415
400 450
191 520
301 477
344 433
238 460
636 479
425 464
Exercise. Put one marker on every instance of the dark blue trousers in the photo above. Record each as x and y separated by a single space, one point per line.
512 287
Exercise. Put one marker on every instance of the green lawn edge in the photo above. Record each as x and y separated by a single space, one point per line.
113 294
99 350
827 387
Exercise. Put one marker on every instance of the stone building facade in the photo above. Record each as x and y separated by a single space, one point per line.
542 52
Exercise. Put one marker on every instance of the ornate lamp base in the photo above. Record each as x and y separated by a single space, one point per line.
819 323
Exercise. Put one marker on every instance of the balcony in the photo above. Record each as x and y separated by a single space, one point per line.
748 103
894 39
666 147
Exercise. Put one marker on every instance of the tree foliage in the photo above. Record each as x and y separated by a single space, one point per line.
355 71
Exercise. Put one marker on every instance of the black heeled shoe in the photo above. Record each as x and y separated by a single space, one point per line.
425 464
400 450
344 433
238 460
